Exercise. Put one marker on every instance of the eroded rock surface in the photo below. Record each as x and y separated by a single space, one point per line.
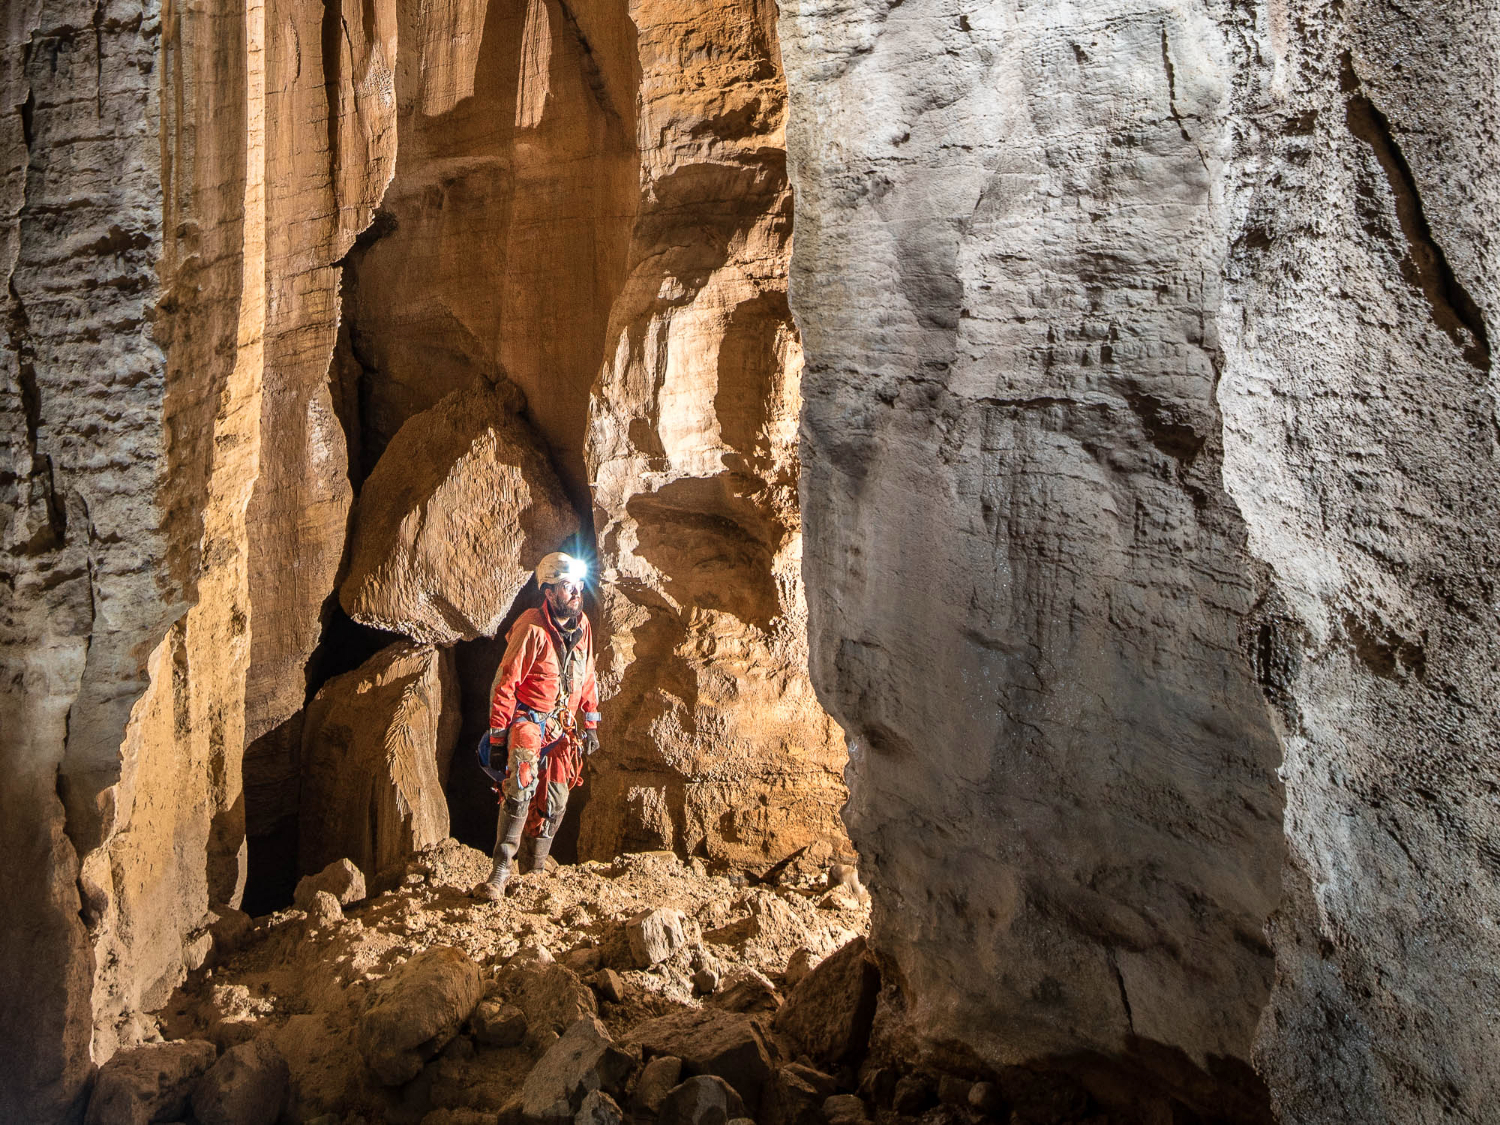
1165 454
715 742
376 752
456 515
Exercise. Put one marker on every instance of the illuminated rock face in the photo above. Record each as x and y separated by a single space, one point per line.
1164 460
245 245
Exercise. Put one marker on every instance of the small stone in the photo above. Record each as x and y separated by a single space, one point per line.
539 1040
148 1083
610 985
953 1090
799 965
498 1024
247 1086
582 961
845 1109
985 1097
843 875
840 898
704 1100
705 982
660 1075
746 990
598 1108
914 1094
341 878
323 911
655 935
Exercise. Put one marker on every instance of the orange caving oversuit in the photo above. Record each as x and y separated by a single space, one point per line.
536 715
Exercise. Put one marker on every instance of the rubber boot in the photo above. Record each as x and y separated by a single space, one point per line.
535 858
507 843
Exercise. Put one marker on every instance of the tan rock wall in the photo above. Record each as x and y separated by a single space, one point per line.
133 236
715 742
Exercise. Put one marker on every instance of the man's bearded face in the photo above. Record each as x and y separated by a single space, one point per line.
565 600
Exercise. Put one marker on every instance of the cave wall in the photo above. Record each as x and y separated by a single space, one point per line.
133 311
1156 494
715 742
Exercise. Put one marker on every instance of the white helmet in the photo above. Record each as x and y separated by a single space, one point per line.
561 567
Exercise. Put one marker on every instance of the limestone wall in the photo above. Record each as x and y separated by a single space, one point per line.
1162 473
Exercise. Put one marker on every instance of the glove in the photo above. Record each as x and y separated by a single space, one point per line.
590 743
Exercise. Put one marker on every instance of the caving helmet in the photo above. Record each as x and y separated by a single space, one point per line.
561 567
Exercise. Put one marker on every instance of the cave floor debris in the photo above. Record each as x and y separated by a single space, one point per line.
304 978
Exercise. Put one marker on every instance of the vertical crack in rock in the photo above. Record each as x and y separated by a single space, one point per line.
1425 265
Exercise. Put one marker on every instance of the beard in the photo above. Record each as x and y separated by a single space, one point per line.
565 609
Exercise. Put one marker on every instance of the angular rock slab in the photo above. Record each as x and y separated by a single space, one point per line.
149 1083
709 1041
829 1014
460 508
421 1007
375 751
702 1100
656 934
581 1062
341 878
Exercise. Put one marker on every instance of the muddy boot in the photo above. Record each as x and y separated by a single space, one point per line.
535 857
507 841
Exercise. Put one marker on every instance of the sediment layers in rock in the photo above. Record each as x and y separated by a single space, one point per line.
716 742
1166 451
376 746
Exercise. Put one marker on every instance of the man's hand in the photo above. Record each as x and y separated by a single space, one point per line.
590 743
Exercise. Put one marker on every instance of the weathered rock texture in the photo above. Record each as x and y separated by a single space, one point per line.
133 250
716 743
376 747
1150 438
453 520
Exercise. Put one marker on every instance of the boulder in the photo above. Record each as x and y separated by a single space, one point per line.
914 1094
829 1014
341 878
229 927
247 1086
796 1096
701 1100
705 982
711 1041
550 995
598 1108
656 934
657 1079
459 509
375 749
581 1061
148 1083
420 1007
498 1024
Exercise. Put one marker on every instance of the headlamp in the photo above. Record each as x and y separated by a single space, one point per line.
578 570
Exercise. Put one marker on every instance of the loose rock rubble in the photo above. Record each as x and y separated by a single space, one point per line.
421 1006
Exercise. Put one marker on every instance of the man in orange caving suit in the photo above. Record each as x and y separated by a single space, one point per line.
547 674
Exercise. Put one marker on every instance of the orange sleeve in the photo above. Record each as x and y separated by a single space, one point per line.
520 655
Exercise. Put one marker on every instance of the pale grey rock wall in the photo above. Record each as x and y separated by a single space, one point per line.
1361 436
1150 438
